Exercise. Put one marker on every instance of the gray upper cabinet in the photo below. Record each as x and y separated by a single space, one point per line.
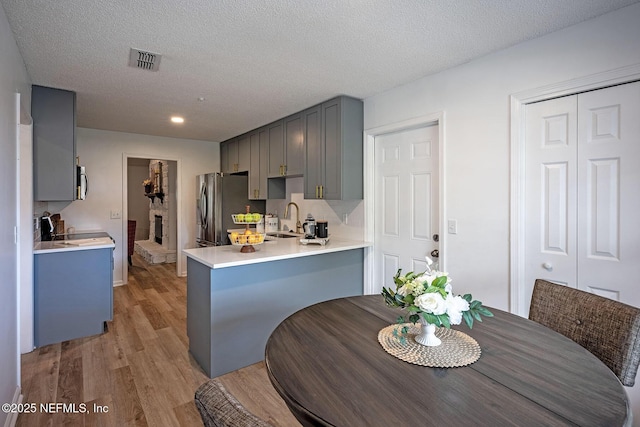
235 154
314 165
293 146
244 153
276 149
224 157
323 144
286 147
259 156
334 165
54 144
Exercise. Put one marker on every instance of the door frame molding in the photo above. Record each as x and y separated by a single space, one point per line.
369 187
518 102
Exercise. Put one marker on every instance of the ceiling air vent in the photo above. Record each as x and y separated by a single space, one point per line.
144 60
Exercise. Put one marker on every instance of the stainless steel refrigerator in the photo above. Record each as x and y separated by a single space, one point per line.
219 196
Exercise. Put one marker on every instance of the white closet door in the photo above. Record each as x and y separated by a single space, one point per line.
609 192
550 201
582 195
406 207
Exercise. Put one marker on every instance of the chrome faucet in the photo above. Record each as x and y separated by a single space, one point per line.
298 223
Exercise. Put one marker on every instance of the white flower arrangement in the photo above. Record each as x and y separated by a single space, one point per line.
429 295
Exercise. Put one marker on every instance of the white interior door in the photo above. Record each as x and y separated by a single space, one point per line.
406 201
550 188
609 192
582 198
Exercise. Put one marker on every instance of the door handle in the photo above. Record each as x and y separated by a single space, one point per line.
547 266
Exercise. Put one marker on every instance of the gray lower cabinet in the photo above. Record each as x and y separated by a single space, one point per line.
334 151
225 336
54 144
73 294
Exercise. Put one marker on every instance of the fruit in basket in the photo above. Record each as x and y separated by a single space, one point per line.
240 217
255 217
234 236
248 232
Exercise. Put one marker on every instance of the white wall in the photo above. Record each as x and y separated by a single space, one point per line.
475 101
102 152
13 79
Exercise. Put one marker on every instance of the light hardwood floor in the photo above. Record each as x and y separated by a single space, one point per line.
140 370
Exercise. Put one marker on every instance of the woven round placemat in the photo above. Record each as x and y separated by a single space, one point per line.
457 348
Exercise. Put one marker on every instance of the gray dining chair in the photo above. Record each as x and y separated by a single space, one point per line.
219 408
608 329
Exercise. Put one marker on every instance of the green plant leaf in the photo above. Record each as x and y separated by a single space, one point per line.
468 319
430 318
485 312
439 282
444 321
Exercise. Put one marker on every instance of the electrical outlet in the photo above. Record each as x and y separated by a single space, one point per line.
452 226
116 214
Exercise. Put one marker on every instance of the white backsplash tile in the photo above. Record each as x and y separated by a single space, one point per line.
333 211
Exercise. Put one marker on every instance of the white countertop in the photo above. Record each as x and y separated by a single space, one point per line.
273 250
73 245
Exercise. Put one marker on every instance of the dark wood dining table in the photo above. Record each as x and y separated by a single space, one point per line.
327 364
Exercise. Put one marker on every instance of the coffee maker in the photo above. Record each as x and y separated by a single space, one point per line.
46 227
309 227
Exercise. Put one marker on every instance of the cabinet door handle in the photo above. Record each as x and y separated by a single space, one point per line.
317 191
284 170
322 191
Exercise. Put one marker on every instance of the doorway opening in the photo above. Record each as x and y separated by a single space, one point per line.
152 210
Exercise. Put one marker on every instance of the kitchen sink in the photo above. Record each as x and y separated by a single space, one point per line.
282 235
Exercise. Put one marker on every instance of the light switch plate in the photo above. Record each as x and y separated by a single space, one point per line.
116 214
452 226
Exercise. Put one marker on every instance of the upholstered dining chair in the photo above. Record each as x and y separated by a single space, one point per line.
608 329
219 408
131 237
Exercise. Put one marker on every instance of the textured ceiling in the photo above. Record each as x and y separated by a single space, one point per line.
257 61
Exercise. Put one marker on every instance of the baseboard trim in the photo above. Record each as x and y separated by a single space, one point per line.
12 417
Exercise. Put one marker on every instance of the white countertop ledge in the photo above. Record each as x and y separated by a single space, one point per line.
73 245
273 250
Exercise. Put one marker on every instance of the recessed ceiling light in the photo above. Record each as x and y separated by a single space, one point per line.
176 119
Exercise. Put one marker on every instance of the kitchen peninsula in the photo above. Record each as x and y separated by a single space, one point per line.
235 300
